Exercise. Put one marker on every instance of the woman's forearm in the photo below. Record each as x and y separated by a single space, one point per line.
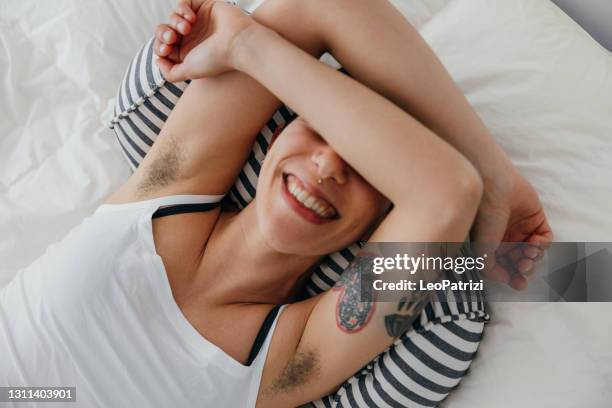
379 48
381 141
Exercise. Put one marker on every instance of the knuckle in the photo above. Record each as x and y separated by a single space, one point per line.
161 28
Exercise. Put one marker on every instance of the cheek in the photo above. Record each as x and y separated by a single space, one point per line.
267 175
366 207
369 198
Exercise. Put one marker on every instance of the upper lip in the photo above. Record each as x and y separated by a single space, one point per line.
315 192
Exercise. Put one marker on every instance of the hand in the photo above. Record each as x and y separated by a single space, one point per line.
511 212
198 41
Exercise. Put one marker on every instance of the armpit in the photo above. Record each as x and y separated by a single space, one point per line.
164 167
304 366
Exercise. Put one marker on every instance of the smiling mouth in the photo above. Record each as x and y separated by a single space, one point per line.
307 202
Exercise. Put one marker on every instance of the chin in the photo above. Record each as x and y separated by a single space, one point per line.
285 240
286 233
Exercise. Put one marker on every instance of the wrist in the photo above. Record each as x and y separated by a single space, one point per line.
495 168
243 44
499 183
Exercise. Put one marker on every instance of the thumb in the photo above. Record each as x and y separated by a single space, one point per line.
172 71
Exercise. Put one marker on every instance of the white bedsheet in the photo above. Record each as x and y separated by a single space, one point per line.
60 64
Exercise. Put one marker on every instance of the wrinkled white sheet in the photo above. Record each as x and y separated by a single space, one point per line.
546 95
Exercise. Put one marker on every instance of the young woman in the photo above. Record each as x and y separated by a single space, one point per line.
159 297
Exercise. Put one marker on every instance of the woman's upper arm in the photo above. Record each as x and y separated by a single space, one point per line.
205 141
329 339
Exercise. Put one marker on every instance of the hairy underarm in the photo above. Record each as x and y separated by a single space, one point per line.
304 366
164 168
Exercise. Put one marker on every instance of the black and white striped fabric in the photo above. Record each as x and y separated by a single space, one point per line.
425 364
419 370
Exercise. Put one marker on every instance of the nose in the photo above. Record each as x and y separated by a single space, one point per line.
330 165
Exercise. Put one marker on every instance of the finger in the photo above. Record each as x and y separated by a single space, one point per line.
515 254
180 24
542 240
166 34
520 263
531 251
184 9
542 235
539 257
531 271
161 49
518 282
167 51
174 55
505 269
524 266
162 46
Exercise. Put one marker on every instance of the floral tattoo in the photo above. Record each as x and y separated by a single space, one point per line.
351 314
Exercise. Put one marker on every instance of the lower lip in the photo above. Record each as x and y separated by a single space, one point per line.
302 211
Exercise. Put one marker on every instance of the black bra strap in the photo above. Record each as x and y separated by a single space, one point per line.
263 333
184 208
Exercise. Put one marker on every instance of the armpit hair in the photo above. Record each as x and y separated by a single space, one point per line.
164 169
298 371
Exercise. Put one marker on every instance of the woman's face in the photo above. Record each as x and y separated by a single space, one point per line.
298 215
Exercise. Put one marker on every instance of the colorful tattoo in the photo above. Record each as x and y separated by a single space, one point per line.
351 314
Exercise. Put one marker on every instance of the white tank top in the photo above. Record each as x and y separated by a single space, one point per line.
96 312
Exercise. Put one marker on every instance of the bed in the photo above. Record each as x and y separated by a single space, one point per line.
539 81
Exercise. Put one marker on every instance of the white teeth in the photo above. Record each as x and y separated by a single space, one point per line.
310 202
319 207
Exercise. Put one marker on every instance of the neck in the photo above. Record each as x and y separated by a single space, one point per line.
243 268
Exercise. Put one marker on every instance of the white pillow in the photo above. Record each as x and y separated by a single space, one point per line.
544 88
419 12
